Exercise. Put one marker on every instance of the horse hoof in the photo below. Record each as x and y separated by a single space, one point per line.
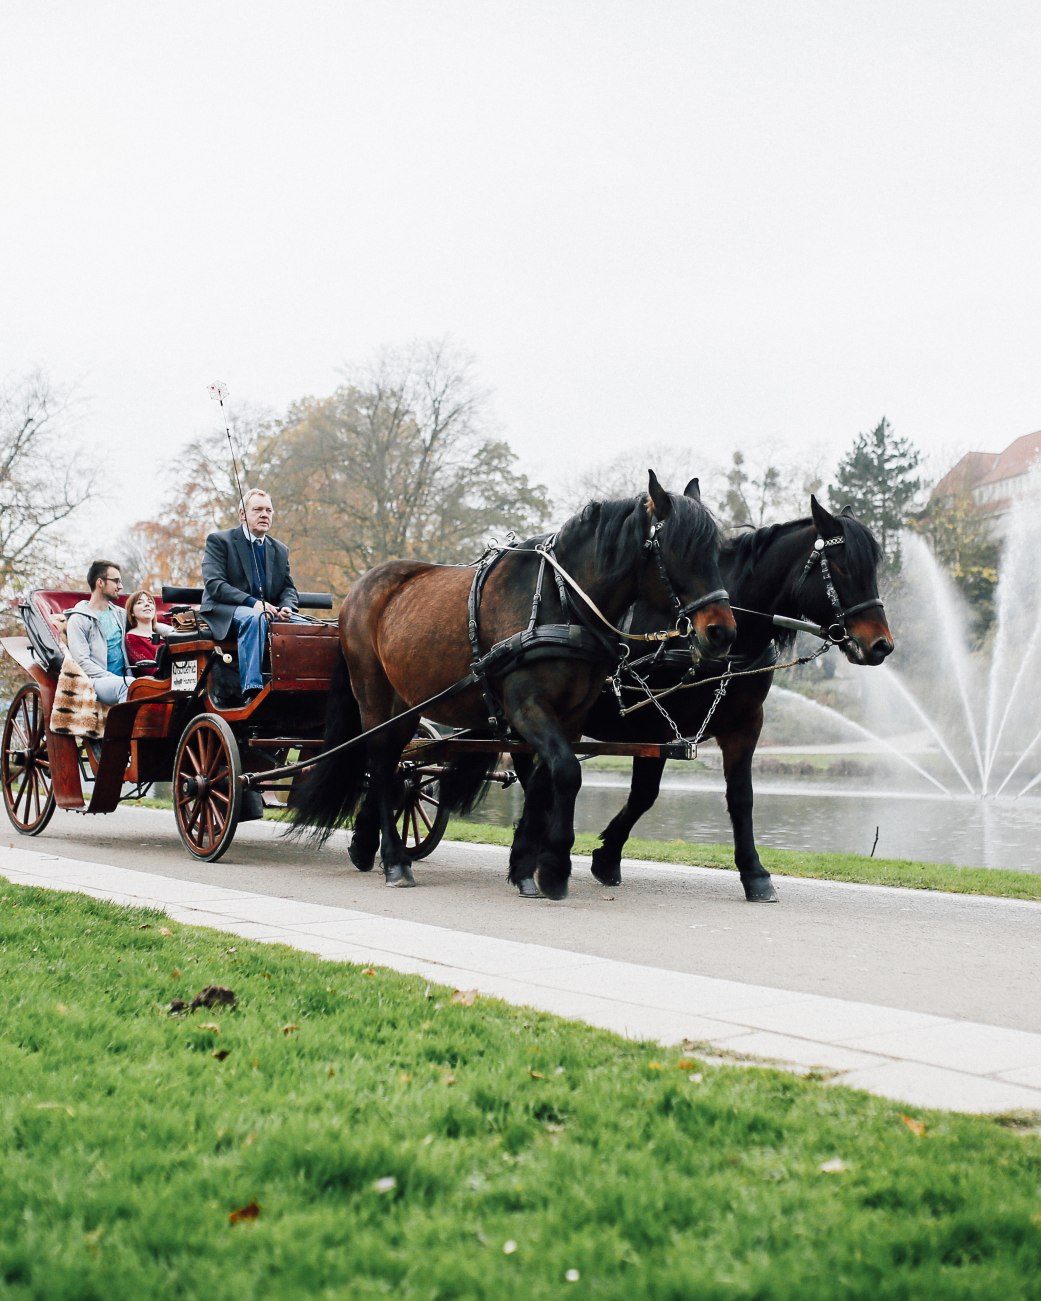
363 862
605 872
552 889
399 875
760 889
527 889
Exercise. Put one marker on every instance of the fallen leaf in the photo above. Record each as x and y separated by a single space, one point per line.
836 1166
62 1009
917 1127
291 1028
245 1213
685 1064
165 931
404 1077
509 1247
221 1053
465 997
176 973
368 971
210 1025
385 1185
448 1081
536 1075
214 996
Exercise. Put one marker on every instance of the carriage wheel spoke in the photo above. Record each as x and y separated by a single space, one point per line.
208 757
418 808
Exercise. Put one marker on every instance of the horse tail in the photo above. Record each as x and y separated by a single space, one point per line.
465 782
328 796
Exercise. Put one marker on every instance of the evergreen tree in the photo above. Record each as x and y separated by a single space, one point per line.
877 478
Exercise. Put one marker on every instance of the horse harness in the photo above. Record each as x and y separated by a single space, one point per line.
837 631
765 662
577 637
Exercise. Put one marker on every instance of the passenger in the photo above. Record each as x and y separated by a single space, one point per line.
246 584
95 630
144 633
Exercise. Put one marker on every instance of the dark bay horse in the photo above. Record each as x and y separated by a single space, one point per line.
773 571
408 632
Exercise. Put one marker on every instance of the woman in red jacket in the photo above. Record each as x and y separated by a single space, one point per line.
143 633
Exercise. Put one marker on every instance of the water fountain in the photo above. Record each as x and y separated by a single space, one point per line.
979 709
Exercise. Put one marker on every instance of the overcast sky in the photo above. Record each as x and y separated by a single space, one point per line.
714 225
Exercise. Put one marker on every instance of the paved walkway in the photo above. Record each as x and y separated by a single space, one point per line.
918 1058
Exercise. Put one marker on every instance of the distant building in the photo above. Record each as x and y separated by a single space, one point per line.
996 481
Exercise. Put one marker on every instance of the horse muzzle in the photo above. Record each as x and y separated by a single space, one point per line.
868 643
713 629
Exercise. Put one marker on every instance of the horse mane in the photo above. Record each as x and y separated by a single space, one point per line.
618 528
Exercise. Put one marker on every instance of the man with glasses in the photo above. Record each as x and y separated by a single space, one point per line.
96 629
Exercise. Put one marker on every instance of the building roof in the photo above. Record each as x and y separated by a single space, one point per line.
1016 459
978 468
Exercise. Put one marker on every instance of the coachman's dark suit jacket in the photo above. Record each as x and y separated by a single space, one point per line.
227 569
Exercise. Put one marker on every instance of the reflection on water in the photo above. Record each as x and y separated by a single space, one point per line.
789 815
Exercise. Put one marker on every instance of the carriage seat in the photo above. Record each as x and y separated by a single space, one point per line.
193 596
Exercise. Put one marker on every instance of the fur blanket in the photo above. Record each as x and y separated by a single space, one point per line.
77 711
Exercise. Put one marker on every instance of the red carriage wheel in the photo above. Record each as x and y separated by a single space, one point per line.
25 769
422 819
207 792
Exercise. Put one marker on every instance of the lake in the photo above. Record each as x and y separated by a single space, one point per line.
837 818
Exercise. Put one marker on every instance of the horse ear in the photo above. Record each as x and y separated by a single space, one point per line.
847 512
826 525
693 490
659 497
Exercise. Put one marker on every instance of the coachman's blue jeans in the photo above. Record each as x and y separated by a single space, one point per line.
251 627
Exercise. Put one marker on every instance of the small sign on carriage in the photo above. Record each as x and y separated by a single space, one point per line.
184 675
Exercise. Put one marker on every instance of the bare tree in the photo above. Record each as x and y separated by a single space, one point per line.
202 495
625 475
399 461
44 477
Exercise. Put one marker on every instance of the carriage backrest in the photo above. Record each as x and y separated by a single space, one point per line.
42 612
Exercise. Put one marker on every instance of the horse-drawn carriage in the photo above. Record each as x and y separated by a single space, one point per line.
173 728
349 704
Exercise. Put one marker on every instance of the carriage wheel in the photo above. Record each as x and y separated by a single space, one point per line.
207 793
423 819
25 769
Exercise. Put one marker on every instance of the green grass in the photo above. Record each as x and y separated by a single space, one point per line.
395 1140
789 862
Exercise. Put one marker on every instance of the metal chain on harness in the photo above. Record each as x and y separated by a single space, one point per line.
691 743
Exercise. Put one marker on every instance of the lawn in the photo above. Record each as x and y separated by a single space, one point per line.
350 1132
789 862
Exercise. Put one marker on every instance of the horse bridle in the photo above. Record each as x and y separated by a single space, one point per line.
683 612
837 631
